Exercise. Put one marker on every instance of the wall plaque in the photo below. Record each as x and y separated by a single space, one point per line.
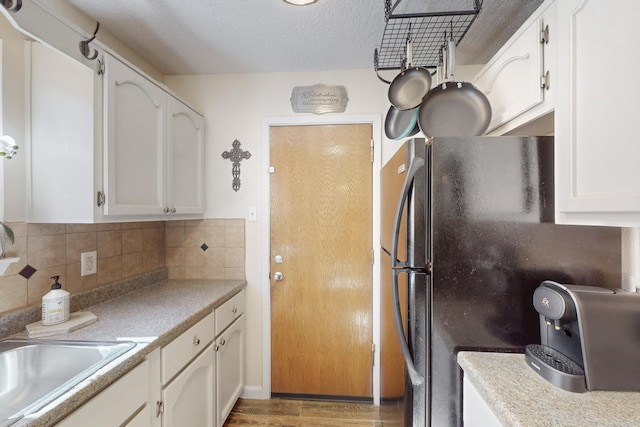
319 99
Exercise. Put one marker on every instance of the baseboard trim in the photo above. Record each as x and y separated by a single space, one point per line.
254 392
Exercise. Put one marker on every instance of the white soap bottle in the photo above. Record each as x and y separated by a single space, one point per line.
55 304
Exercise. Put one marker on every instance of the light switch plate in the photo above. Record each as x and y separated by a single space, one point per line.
253 214
88 263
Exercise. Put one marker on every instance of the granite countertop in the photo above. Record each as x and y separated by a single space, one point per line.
151 316
518 396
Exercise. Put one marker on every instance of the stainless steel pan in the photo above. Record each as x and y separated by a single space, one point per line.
454 108
408 89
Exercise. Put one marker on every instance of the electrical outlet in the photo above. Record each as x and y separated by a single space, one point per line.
88 263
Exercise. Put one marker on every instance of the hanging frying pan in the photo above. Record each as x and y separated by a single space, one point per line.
454 108
401 124
408 89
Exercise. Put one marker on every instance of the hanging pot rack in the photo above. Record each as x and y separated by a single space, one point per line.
426 32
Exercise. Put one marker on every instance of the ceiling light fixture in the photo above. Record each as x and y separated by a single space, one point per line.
300 2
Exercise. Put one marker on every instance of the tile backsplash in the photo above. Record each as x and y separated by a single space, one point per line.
193 249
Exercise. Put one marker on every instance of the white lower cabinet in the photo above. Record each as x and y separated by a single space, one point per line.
189 399
123 403
229 347
475 411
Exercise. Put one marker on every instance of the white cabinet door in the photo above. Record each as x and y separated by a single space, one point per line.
135 111
185 183
229 368
597 127
189 398
514 79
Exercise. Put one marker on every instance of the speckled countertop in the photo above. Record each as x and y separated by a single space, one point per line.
520 397
152 316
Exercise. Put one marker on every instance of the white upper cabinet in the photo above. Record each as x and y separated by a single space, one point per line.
518 80
109 144
135 111
185 159
597 126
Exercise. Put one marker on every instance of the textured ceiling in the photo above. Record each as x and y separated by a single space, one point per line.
237 36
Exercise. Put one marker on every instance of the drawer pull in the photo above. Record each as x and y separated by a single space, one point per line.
196 341
223 342
234 310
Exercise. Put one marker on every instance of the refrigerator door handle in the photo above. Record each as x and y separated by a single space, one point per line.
414 375
416 164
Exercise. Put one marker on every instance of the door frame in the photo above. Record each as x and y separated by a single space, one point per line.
376 133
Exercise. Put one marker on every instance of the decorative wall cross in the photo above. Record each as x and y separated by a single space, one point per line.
236 154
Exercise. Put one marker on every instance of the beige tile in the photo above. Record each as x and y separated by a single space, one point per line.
40 283
81 228
214 257
45 229
16 250
179 223
77 283
78 243
153 259
234 237
14 292
174 237
195 273
175 257
132 240
176 273
234 222
216 274
214 222
46 250
19 228
109 269
234 274
109 227
194 223
234 258
214 236
153 238
194 257
153 224
132 264
132 225
109 243
194 236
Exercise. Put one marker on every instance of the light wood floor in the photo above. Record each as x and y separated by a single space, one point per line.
298 413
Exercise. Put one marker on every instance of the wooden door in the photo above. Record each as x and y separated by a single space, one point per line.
321 227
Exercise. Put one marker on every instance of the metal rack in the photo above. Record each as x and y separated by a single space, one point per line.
428 32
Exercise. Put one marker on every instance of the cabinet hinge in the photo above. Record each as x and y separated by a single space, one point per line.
545 81
101 198
100 69
544 35
373 353
159 408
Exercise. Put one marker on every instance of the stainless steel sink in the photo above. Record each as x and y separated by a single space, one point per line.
35 372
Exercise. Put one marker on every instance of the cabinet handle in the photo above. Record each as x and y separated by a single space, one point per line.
223 342
166 210
234 310
196 341
216 347
173 210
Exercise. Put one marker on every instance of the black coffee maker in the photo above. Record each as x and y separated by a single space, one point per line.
590 337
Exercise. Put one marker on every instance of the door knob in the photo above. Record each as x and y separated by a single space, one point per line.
278 276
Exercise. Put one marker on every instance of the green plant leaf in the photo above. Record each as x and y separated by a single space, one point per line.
9 232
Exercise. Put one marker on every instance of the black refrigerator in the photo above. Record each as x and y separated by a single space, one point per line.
467 235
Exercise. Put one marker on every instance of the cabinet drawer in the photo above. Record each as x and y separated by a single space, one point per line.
229 311
122 399
180 351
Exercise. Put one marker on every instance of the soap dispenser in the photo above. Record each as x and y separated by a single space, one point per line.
55 304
